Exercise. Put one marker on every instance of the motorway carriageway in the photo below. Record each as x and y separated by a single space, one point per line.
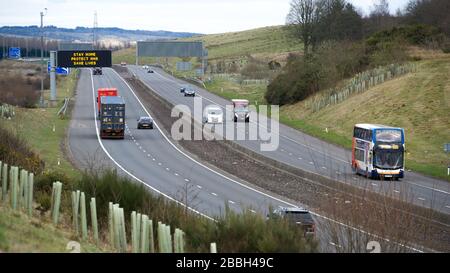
149 157
307 153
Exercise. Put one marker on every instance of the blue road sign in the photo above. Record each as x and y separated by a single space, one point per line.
59 70
14 53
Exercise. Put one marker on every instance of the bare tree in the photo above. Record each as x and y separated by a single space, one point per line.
302 19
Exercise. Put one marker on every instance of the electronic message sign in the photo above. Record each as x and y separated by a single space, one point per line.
84 58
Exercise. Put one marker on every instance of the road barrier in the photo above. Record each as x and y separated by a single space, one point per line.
62 111
358 84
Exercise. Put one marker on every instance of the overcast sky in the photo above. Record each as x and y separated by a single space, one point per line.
201 16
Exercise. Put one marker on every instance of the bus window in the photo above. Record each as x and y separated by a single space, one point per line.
360 155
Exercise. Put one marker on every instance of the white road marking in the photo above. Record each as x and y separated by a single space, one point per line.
374 184
123 169
159 164
447 207
167 169
300 158
221 175
213 193
176 174
253 211
396 191
347 202
324 167
312 163
187 180
200 187
286 137
421 199
290 154
231 202
338 173
144 151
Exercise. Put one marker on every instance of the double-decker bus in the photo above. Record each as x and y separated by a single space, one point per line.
378 151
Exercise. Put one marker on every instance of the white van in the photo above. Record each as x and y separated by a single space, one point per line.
213 114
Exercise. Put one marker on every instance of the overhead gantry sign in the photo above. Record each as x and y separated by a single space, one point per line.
84 58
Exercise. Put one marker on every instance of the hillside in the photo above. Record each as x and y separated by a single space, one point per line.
85 34
261 42
268 43
418 102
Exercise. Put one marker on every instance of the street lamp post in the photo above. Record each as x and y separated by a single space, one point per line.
42 56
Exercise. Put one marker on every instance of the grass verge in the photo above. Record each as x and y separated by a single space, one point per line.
20 233
44 131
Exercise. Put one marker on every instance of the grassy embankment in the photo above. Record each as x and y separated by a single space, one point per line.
36 126
20 233
418 102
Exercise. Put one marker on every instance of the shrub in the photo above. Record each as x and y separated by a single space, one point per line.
15 151
246 232
20 91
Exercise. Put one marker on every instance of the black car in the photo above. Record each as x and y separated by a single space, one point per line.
189 92
97 71
298 217
150 71
183 88
145 123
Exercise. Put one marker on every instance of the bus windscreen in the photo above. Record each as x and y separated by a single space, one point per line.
388 135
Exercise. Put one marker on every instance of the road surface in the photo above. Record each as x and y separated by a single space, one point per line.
302 151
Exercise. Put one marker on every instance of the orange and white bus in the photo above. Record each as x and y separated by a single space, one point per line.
378 151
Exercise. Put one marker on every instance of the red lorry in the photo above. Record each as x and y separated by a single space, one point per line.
102 92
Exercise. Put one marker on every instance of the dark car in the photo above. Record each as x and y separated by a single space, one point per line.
97 71
183 88
150 70
145 123
189 92
299 217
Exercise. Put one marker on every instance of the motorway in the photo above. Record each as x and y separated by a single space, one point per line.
148 156
302 151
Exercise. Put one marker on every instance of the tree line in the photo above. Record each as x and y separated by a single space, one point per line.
339 41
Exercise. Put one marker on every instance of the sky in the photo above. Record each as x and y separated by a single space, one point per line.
200 16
